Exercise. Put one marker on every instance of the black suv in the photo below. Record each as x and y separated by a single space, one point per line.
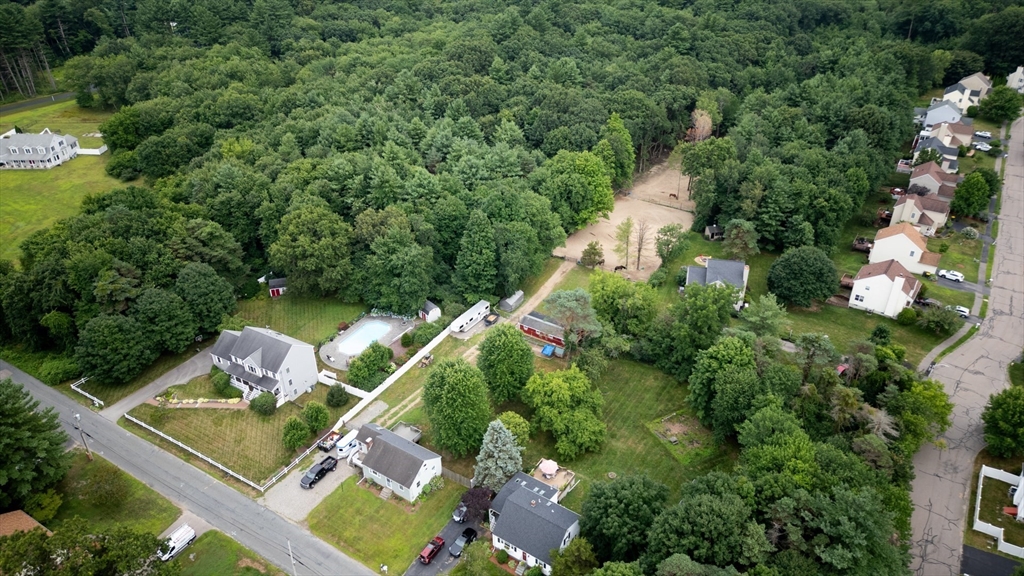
318 471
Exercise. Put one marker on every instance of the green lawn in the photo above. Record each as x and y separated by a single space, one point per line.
993 499
242 440
216 554
140 507
1017 373
948 296
34 199
533 283
979 159
413 380
308 319
846 325
375 531
200 387
962 255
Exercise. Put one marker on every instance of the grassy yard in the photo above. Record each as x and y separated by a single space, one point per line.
993 499
413 380
977 160
141 508
948 296
216 554
845 325
308 319
961 255
34 199
1016 373
200 387
242 440
533 283
375 531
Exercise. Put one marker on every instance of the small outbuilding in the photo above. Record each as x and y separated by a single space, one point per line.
543 328
471 317
714 232
512 302
430 312
277 287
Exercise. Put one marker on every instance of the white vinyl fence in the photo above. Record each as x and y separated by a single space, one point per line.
985 527
95 401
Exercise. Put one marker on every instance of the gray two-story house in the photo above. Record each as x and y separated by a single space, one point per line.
262 360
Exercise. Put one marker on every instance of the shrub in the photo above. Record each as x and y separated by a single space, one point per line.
681 276
221 381
1004 423
906 317
406 339
535 571
123 165
316 416
56 370
43 505
265 404
659 278
295 433
502 557
944 247
337 397
970 233
426 332
923 293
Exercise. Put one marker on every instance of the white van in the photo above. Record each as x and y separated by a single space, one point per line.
178 540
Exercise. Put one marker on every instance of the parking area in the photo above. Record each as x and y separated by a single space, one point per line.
444 560
294 502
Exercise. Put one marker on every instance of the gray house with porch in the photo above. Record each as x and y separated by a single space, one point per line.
262 360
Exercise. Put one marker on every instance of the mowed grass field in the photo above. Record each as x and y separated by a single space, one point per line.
216 554
242 440
375 531
141 508
34 199
308 319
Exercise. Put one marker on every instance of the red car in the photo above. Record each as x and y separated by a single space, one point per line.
431 549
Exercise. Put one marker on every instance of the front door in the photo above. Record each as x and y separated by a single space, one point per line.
389 482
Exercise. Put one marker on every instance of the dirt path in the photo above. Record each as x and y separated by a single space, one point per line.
543 291
404 406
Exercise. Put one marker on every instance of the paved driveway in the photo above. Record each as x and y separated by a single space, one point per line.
970 374
294 502
223 507
193 367
444 561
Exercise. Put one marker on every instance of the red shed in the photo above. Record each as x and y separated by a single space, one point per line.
542 328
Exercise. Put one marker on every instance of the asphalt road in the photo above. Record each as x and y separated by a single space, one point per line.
444 561
224 508
981 563
971 373
34 102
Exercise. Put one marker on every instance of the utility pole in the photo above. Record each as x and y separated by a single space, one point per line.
81 433
292 557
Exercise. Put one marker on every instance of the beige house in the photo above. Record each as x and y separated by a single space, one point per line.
979 82
884 288
1015 79
939 183
926 213
903 243
953 133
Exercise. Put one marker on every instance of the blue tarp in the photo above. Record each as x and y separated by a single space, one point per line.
548 350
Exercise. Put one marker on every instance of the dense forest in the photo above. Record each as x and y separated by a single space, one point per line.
390 152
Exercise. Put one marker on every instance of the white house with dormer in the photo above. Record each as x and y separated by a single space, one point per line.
1015 79
903 243
262 360
394 462
36 151
884 288
925 213
528 522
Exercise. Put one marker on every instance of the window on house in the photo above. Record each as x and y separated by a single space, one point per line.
912 252
858 298
27 150
13 150
418 484
289 381
913 214
287 370
40 149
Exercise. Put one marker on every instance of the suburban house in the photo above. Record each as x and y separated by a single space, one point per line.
36 151
962 96
529 524
978 82
277 286
714 232
721 272
541 327
937 113
903 243
948 154
953 133
430 311
261 360
939 183
926 213
1015 79
471 317
884 288
394 462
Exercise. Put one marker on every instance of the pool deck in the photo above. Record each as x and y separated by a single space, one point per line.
332 355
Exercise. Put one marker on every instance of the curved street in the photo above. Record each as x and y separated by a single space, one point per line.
970 374
195 491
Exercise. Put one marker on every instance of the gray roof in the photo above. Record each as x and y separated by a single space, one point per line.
522 481
262 382
533 524
391 455
713 229
429 306
277 283
958 87
46 140
920 111
933 143
944 104
267 348
542 323
726 271
512 302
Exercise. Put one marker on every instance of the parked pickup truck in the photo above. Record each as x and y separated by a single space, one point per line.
431 549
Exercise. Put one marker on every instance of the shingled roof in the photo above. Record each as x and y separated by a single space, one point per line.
893 270
925 203
266 348
391 455
533 523
907 230
725 271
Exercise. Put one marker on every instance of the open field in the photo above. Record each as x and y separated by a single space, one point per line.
963 255
63 117
242 440
375 531
138 507
992 501
308 319
215 554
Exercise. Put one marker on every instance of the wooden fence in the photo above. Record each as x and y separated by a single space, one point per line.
458 478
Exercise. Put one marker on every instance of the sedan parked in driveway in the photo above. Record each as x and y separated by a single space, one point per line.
467 537
460 513
961 310
318 471
982 146
951 275
983 134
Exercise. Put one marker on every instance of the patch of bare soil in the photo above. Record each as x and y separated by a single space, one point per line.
250 563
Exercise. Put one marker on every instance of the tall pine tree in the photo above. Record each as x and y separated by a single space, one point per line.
499 459
475 267
32 444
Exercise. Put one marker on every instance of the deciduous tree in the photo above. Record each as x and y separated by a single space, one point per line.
573 311
517 425
578 187
114 349
1001 105
166 318
316 416
623 236
295 433
803 275
670 242
499 459
208 296
32 442
506 361
313 248
475 267
565 403
694 324
971 195
577 559
765 315
629 307
617 515
455 400
1004 422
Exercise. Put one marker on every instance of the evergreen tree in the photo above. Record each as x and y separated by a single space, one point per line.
577 559
592 255
506 361
499 459
32 444
455 400
475 267
616 134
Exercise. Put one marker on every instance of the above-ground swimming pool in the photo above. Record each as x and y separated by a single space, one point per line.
367 333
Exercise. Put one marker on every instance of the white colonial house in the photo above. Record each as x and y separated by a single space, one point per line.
261 360
940 184
394 462
529 524
1015 79
36 151
942 111
903 243
884 288
927 214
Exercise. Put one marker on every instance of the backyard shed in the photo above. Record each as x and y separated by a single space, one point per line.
430 311
512 302
713 232
277 286
542 328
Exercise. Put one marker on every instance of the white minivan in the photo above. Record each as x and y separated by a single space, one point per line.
178 540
